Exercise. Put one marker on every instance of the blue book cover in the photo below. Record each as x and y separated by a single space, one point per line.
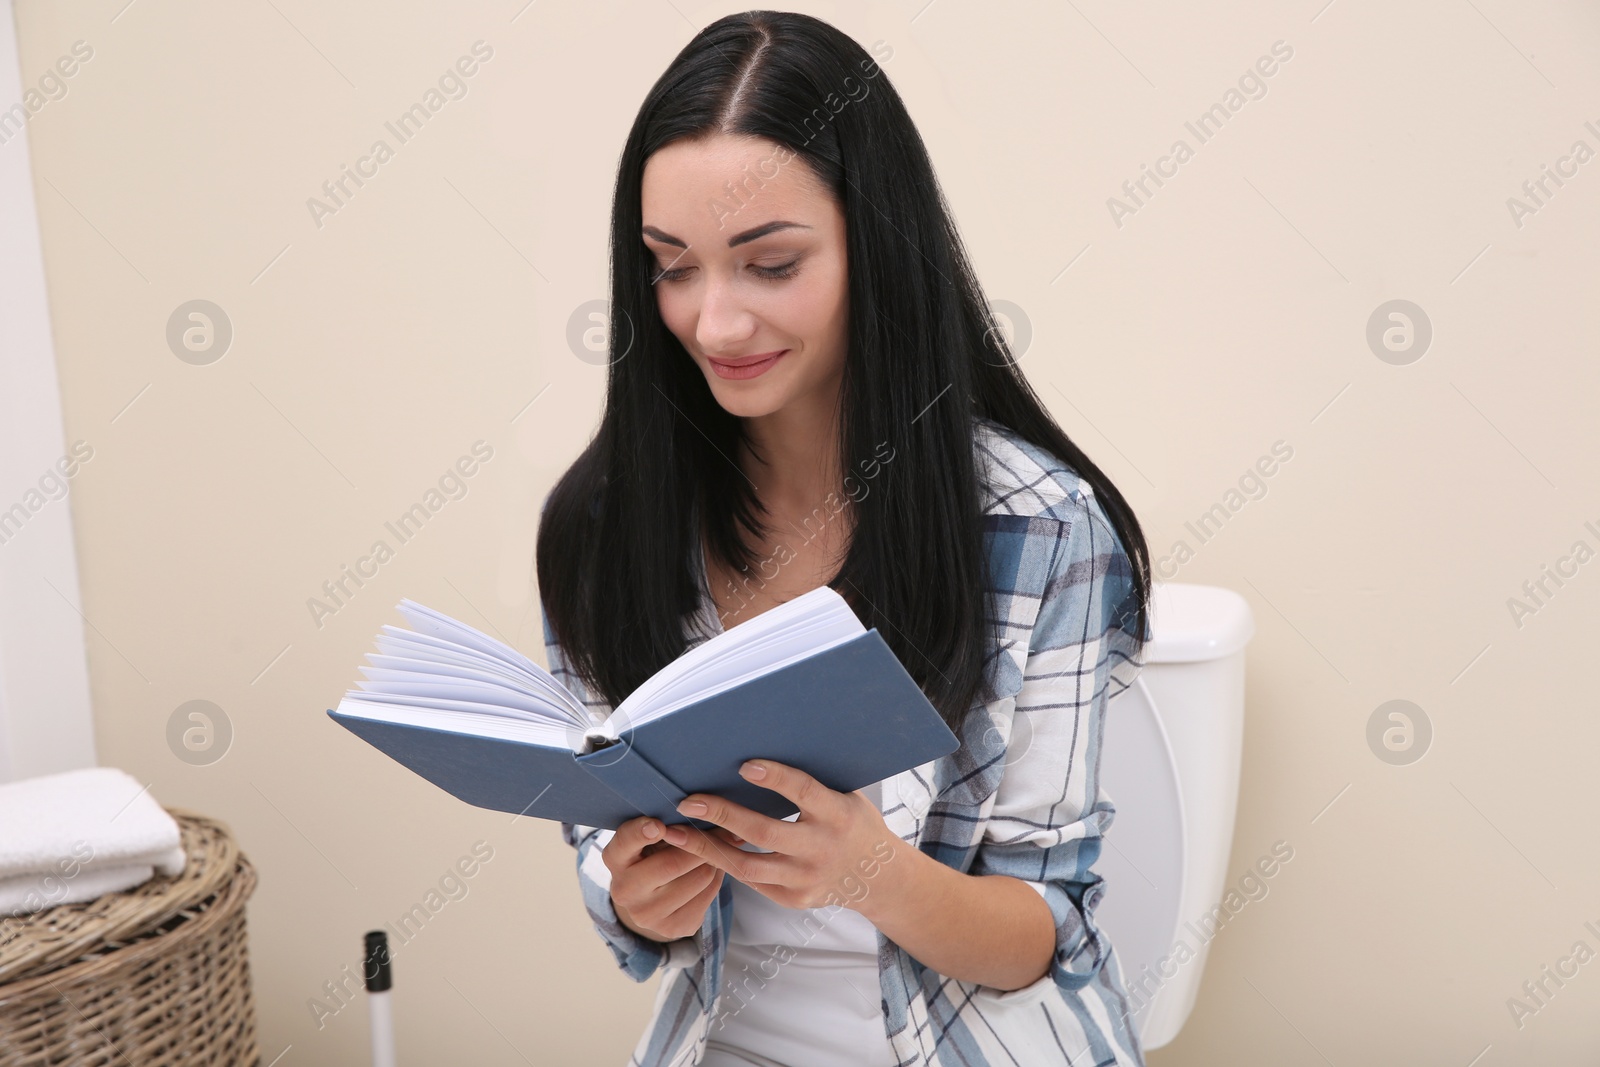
849 715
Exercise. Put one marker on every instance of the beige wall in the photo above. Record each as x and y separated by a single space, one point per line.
1226 314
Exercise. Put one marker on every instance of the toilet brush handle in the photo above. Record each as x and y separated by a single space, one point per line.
379 978
378 1010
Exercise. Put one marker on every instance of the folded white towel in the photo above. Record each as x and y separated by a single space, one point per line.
29 893
77 835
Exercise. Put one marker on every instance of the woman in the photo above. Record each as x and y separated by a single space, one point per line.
806 387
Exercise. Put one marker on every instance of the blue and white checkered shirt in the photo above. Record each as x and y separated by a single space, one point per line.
1020 797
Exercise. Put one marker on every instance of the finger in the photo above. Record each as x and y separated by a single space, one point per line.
660 868
745 866
751 826
720 833
629 841
697 904
685 889
806 793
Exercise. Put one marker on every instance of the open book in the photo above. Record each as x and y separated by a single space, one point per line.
803 683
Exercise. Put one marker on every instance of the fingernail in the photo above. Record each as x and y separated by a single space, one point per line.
677 835
754 770
693 807
651 830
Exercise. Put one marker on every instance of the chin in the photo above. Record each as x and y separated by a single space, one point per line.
750 399
746 403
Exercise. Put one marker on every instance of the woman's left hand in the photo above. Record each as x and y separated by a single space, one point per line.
820 859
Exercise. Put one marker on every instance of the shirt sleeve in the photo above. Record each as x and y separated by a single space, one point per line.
1049 814
639 957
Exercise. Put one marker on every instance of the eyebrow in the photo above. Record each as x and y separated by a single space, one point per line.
733 242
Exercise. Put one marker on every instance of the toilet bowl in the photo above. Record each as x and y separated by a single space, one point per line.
1170 763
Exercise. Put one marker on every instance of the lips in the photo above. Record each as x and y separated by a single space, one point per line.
745 361
746 366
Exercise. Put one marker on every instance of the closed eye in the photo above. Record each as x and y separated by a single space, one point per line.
785 270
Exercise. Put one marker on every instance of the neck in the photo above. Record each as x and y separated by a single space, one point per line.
799 447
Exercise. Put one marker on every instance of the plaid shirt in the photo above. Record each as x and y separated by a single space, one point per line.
1019 797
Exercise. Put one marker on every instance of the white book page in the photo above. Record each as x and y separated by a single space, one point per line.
725 682
448 675
410 665
547 689
476 708
539 733
382 683
425 620
424 648
809 622
764 654
392 640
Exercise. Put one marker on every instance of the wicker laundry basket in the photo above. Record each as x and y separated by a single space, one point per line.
153 976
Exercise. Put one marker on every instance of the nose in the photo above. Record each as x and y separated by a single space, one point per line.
724 323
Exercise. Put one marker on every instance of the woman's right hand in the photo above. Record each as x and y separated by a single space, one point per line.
658 890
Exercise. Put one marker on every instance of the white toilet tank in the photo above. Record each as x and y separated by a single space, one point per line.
1170 763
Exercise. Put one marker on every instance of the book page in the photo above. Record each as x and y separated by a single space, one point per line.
446 672
452 719
447 675
800 627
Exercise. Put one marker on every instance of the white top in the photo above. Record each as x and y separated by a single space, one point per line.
821 1008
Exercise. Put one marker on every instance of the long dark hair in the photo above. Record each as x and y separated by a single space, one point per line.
621 530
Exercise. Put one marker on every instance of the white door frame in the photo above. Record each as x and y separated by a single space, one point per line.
46 724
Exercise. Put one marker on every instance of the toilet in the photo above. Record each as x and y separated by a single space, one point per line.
1169 761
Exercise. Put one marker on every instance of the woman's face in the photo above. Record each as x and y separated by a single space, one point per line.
749 260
